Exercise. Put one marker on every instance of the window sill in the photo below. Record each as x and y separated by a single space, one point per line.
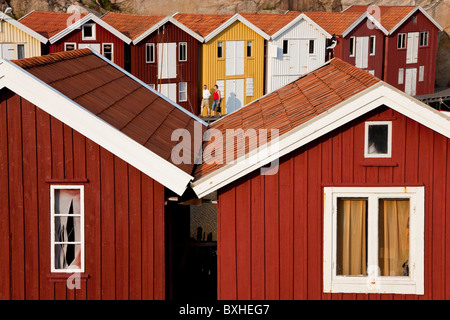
378 162
64 276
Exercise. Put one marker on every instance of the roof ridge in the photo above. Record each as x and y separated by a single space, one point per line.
52 58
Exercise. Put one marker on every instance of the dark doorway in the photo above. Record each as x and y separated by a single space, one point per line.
191 245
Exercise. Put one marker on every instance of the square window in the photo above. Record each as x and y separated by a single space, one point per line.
311 46
219 50
67 228
352 46
182 55
424 38
88 31
285 46
401 41
150 53
108 51
373 240
378 139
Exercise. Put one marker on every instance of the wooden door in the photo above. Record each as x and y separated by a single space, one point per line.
410 81
362 52
412 47
234 94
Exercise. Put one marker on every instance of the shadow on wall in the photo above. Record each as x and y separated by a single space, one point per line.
443 61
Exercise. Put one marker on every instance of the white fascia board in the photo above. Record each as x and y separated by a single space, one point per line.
229 22
348 110
69 29
149 88
162 22
111 29
78 118
25 29
360 19
299 18
26 15
410 14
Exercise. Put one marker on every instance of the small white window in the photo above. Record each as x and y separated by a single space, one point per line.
182 55
401 75
424 38
69 46
108 51
421 73
249 49
20 51
182 91
88 31
219 50
285 47
372 45
249 90
150 52
311 46
374 240
352 46
378 139
401 41
221 85
67 228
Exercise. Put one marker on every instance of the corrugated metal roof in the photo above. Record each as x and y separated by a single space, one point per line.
203 24
131 25
390 16
113 96
291 106
271 23
49 24
334 22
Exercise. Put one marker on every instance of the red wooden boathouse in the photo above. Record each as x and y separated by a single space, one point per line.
84 162
71 31
359 206
164 54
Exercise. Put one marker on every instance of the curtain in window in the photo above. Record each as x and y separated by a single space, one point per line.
351 237
393 235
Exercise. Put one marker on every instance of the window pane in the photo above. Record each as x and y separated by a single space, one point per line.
378 139
393 237
249 48
351 237
70 47
67 229
107 51
352 46
67 201
183 52
311 46
219 50
67 256
372 45
87 29
20 51
285 46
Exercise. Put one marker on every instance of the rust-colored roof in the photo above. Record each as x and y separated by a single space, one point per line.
131 25
113 96
390 16
49 24
270 23
290 106
334 22
203 24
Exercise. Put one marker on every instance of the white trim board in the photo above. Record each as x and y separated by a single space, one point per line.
23 28
229 22
162 22
410 14
346 111
78 118
365 15
84 20
297 19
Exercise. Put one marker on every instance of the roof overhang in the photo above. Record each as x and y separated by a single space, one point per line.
346 111
364 16
297 19
233 19
78 118
77 24
413 11
23 28
162 22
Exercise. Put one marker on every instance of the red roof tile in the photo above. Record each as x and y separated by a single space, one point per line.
390 15
203 24
131 25
270 23
292 105
49 24
113 96
334 22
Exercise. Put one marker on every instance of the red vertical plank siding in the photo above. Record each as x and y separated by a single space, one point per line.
187 71
122 234
420 157
102 36
5 286
447 225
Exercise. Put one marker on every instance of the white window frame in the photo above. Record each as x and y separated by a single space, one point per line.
53 188
185 91
374 45
401 35
366 140
152 46
421 36
112 50
185 51
313 41
221 46
411 284
93 37
251 49
74 44
24 52
353 40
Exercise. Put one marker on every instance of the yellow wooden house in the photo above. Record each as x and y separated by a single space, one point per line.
232 57
18 41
